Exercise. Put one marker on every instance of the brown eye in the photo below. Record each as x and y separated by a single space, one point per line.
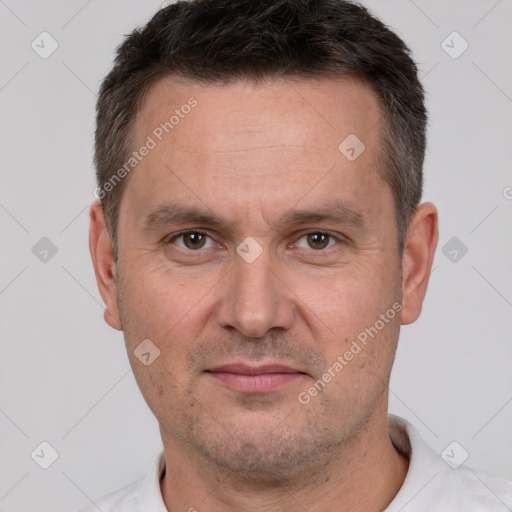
318 240
193 240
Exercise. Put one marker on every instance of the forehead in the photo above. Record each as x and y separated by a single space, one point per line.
323 110
271 141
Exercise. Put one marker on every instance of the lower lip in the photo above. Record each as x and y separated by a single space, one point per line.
262 383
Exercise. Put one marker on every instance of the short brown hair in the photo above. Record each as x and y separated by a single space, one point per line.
223 40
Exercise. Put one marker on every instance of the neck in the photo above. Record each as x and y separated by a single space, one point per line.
365 473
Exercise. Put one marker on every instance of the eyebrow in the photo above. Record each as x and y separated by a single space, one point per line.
180 214
337 212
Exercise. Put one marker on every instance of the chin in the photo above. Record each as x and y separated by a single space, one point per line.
265 457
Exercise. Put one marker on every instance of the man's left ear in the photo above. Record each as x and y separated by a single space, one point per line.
420 246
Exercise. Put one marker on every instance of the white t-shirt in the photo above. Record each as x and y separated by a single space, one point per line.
431 484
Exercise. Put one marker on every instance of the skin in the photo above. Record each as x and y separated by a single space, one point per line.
250 154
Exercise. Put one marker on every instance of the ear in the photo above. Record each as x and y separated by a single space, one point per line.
420 246
104 265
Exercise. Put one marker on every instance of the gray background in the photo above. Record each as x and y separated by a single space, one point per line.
64 374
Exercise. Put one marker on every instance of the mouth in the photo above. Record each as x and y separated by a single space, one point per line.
261 379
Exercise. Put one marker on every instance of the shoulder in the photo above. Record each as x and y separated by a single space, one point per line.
142 495
434 485
126 499
474 490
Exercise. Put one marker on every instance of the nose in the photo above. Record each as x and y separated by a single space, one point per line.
255 299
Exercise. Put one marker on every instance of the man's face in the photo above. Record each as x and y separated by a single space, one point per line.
241 337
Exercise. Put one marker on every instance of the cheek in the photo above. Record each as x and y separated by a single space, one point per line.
347 300
358 366
164 390
156 302
346 311
170 312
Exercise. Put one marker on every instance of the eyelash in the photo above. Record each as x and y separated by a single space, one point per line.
198 231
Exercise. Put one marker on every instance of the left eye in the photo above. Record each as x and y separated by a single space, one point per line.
316 240
193 240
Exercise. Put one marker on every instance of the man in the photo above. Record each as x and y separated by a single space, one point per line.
260 239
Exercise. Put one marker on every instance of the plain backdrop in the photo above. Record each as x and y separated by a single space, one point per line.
64 374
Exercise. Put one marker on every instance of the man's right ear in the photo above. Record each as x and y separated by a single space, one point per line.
104 264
